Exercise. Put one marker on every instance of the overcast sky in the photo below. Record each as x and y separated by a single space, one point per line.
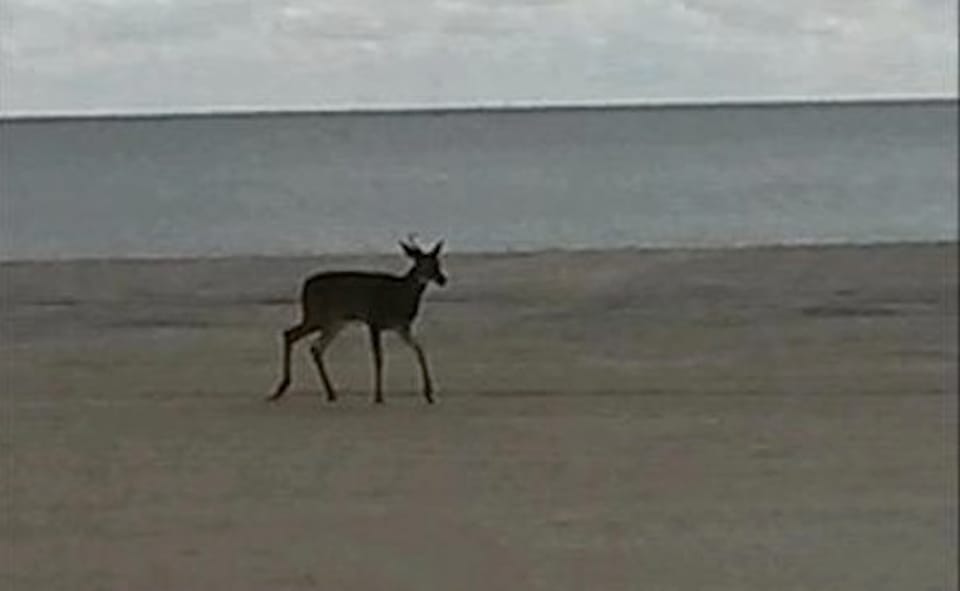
149 55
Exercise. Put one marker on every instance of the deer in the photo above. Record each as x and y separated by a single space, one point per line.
384 302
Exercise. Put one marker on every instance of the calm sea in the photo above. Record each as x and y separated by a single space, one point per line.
509 180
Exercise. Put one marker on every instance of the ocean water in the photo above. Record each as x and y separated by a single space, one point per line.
484 180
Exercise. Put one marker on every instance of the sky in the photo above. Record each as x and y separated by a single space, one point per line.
182 55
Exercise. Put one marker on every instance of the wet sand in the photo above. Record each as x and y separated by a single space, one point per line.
771 418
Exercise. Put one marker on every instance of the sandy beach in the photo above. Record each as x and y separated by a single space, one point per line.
751 419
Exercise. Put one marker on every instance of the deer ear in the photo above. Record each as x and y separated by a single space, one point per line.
436 249
410 250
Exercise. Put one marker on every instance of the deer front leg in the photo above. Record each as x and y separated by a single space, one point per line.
410 340
376 345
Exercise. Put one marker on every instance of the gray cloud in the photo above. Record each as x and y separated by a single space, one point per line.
170 54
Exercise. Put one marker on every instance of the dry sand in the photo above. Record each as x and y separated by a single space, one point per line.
769 419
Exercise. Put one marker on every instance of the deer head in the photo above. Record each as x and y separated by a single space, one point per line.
426 265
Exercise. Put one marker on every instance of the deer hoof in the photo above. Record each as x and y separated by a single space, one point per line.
278 392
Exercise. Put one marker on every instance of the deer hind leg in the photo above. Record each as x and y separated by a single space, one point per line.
316 350
377 347
290 337
410 340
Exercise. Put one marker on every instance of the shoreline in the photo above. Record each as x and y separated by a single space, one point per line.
485 254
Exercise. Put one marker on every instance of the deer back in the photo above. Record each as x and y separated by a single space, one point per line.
379 299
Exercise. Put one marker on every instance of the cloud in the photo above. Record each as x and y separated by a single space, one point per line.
169 54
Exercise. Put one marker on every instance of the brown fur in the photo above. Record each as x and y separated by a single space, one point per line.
379 300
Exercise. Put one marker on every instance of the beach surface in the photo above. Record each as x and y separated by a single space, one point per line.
751 419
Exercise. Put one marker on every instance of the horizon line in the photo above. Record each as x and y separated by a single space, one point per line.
478 107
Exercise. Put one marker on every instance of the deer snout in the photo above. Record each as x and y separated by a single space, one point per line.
441 279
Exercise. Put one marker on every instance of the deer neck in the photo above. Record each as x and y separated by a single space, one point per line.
414 283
